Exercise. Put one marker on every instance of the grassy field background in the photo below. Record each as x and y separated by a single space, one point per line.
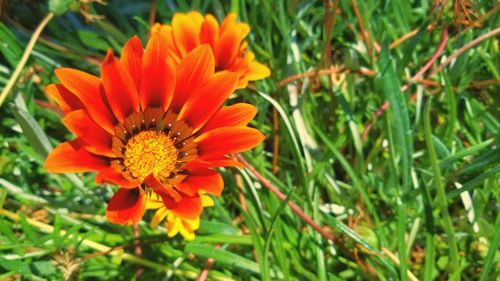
382 125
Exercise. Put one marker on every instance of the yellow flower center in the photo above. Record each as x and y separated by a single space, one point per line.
149 152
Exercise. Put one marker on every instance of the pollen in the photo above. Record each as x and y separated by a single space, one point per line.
149 152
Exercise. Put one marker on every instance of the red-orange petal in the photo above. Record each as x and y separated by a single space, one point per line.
85 128
66 100
227 140
228 47
68 157
206 180
127 206
189 207
119 87
114 176
131 59
158 77
239 114
199 108
209 163
193 71
161 189
88 89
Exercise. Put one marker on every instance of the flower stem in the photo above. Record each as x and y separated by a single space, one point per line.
24 58
465 48
295 208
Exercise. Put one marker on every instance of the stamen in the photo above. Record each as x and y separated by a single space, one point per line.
150 152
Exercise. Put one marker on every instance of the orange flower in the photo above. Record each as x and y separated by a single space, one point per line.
149 126
227 41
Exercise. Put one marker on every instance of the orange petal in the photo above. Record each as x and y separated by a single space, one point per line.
199 108
63 97
112 175
194 70
131 59
70 158
85 128
186 29
158 77
161 189
119 87
155 28
209 31
167 36
234 115
127 206
242 83
257 71
228 48
227 140
189 207
88 89
206 180
228 22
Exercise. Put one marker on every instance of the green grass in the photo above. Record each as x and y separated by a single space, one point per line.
419 193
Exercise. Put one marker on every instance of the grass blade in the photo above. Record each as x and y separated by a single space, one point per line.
441 195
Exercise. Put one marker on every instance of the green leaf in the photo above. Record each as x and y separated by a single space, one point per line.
493 250
486 229
27 228
358 239
358 184
471 184
31 129
93 40
6 231
10 47
388 83
16 266
301 168
44 268
215 227
226 239
3 196
490 157
113 31
59 7
257 243
222 256
459 155
352 234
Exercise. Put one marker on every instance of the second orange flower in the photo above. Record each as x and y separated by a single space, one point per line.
227 41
